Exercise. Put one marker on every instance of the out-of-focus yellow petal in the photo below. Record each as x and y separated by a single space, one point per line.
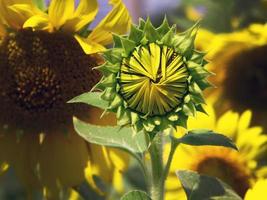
14 15
227 124
89 46
3 167
117 21
244 120
62 161
39 22
119 158
60 11
258 192
83 15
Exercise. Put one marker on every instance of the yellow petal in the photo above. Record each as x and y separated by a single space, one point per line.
258 191
83 15
14 15
60 11
89 46
117 21
62 161
227 124
39 22
244 121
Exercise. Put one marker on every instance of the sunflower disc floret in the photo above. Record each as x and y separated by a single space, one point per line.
153 78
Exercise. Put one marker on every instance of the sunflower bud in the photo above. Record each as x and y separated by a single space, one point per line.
153 78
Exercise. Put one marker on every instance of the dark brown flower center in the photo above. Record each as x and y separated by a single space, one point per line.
227 171
245 83
39 73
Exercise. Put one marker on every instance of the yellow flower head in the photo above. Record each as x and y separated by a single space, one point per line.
46 59
154 78
239 61
239 169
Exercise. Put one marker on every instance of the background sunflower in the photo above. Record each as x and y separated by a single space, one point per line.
47 56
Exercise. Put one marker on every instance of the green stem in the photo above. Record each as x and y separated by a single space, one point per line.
157 185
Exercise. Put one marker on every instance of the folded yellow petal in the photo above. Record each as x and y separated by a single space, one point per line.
39 22
60 11
89 46
83 15
117 21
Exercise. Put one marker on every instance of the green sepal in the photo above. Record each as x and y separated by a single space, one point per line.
128 46
167 39
109 80
108 94
113 55
164 28
136 34
184 42
150 32
142 24
117 41
116 102
204 84
200 108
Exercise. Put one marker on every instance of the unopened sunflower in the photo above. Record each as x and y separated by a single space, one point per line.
45 60
240 63
239 169
153 78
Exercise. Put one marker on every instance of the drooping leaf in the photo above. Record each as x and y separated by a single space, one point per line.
90 98
136 195
202 187
202 137
112 136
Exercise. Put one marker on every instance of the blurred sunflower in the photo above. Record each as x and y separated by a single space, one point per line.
238 169
46 59
258 191
240 62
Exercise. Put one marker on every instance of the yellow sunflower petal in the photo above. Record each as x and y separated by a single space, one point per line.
62 161
244 120
83 15
117 21
89 46
258 191
227 124
60 11
39 22
14 15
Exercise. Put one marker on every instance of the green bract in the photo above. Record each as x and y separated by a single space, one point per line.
153 78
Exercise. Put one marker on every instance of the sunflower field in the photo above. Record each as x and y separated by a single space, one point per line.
133 99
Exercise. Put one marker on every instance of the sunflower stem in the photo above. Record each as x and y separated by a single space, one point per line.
157 169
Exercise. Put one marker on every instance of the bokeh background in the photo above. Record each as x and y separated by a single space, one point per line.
234 35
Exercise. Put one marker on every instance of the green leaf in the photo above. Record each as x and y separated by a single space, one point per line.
115 136
136 195
90 98
202 187
205 137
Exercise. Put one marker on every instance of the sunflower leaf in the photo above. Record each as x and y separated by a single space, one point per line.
201 137
90 98
202 187
112 136
136 195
